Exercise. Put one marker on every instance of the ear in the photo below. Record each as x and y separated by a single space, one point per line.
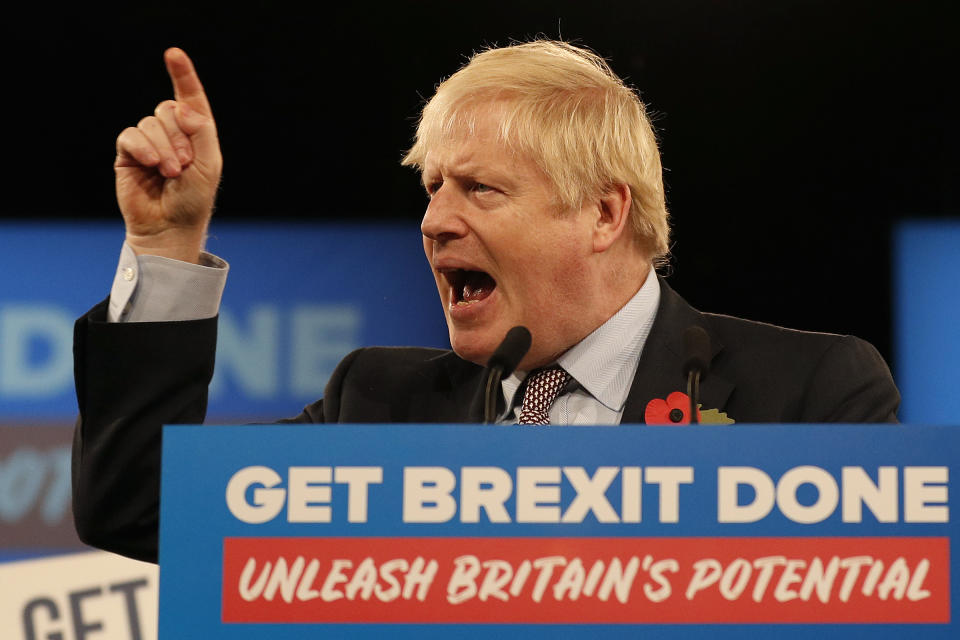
612 217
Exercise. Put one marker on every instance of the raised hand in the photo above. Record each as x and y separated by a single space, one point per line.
168 168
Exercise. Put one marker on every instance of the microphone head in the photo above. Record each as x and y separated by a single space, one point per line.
696 351
511 351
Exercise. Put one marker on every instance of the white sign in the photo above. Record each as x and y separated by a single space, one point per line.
83 596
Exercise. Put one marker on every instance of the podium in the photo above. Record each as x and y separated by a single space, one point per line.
468 531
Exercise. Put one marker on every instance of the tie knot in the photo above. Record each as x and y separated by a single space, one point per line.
543 387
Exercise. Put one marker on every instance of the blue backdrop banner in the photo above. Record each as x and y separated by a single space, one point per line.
300 297
926 273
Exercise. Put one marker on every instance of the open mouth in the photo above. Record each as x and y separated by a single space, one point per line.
470 287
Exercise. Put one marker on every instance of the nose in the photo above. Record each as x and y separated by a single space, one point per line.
443 219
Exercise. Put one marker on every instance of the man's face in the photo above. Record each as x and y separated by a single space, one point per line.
500 249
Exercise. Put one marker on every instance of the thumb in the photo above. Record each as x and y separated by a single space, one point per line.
201 129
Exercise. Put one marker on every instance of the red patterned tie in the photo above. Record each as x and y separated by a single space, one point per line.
542 389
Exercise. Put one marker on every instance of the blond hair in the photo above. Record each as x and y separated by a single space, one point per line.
568 111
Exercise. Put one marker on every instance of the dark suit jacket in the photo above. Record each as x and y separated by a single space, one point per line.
133 378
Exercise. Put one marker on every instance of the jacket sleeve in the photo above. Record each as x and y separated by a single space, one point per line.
131 378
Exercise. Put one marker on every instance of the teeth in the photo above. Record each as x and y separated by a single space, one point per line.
463 303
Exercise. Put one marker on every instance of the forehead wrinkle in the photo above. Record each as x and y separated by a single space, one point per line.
461 160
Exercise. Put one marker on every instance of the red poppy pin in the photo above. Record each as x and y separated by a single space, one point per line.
675 410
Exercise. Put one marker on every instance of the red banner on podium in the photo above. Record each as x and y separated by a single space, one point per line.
587 580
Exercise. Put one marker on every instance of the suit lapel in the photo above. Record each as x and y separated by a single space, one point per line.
659 371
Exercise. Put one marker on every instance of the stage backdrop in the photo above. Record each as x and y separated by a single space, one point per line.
927 305
299 298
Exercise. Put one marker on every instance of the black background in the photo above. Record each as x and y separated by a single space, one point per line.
794 134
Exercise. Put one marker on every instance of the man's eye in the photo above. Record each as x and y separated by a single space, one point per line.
433 187
479 187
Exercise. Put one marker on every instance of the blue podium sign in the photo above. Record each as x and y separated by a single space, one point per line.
466 531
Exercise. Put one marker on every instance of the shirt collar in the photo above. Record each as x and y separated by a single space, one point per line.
605 362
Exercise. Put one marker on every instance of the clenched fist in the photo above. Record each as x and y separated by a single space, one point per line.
168 168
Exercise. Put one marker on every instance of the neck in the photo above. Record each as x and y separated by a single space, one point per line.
613 288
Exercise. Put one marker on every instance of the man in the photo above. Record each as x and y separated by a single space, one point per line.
546 209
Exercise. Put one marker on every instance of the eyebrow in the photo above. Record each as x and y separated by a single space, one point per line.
472 171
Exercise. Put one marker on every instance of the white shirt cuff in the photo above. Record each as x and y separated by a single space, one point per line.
156 289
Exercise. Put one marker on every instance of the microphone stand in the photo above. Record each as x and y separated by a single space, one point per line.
502 363
697 351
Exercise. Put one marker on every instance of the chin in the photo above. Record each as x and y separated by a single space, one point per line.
473 348
476 356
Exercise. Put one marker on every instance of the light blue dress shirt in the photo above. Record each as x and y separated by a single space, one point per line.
602 366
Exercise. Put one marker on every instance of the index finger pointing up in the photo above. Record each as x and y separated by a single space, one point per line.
186 83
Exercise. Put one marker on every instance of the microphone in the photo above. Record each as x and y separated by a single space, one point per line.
501 364
696 364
